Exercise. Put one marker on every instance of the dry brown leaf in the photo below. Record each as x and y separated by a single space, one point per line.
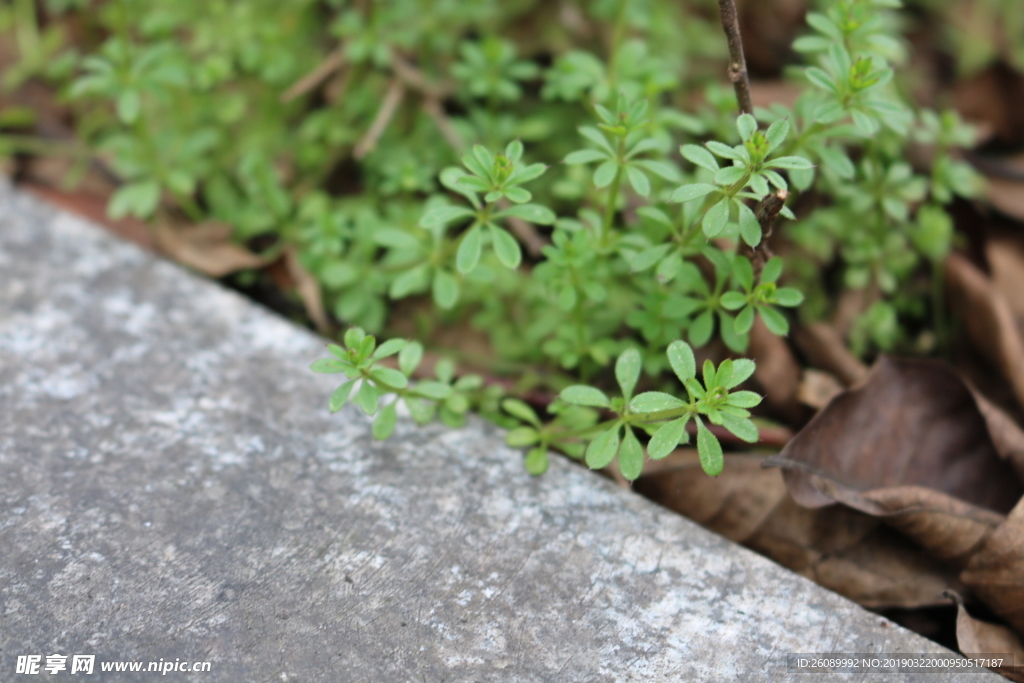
309 291
841 549
975 637
988 318
733 504
825 349
206 247
1006 259
1007 437
777 372
910 447
996 572
817 388
911 423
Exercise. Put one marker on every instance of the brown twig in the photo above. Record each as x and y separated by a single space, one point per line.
325 68
392 98
767 211
737 62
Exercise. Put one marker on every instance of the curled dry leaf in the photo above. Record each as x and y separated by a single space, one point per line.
825 349
309 291
778 371
988 318
977 637
1005 257
910 446
841 549
206 247
996 571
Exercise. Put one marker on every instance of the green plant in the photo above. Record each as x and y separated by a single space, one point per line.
582 253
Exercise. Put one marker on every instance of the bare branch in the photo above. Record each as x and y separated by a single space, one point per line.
737 62
392 98
767 211
325 68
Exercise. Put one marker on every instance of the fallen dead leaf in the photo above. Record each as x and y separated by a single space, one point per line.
976 637
309 291
842 549
817 388
1006 259
988 318
912 423
206 247
778 371
995 573
825 349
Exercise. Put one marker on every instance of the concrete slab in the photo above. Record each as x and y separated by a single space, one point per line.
172 488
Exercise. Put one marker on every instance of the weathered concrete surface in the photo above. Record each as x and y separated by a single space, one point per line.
171 486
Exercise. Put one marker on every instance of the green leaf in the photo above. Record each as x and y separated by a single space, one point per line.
535 213
514 194
526 174
790 162
138 199
723 150
741 427
521 410
733 301
638 181
655 402
514 150
700 156
680 357
744 321
667 438
627 371
746 125
730 175
603 448
409 358
506 248
329 366
662 169
687 193
583 395
750 229
709 451
742 369
389 348
367 397
648 257
605 174
469 250
774 321
129 105
444 214
701 328
389 376
772 270
537 461
432 389
777 133
743 399
384 423
585 156
708 371
789 297
445 289
522 436
340 396
631 456
716 219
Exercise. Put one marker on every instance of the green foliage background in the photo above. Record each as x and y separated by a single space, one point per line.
571 179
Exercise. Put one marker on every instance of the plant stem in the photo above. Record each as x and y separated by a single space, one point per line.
620 25
737 62
613 197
